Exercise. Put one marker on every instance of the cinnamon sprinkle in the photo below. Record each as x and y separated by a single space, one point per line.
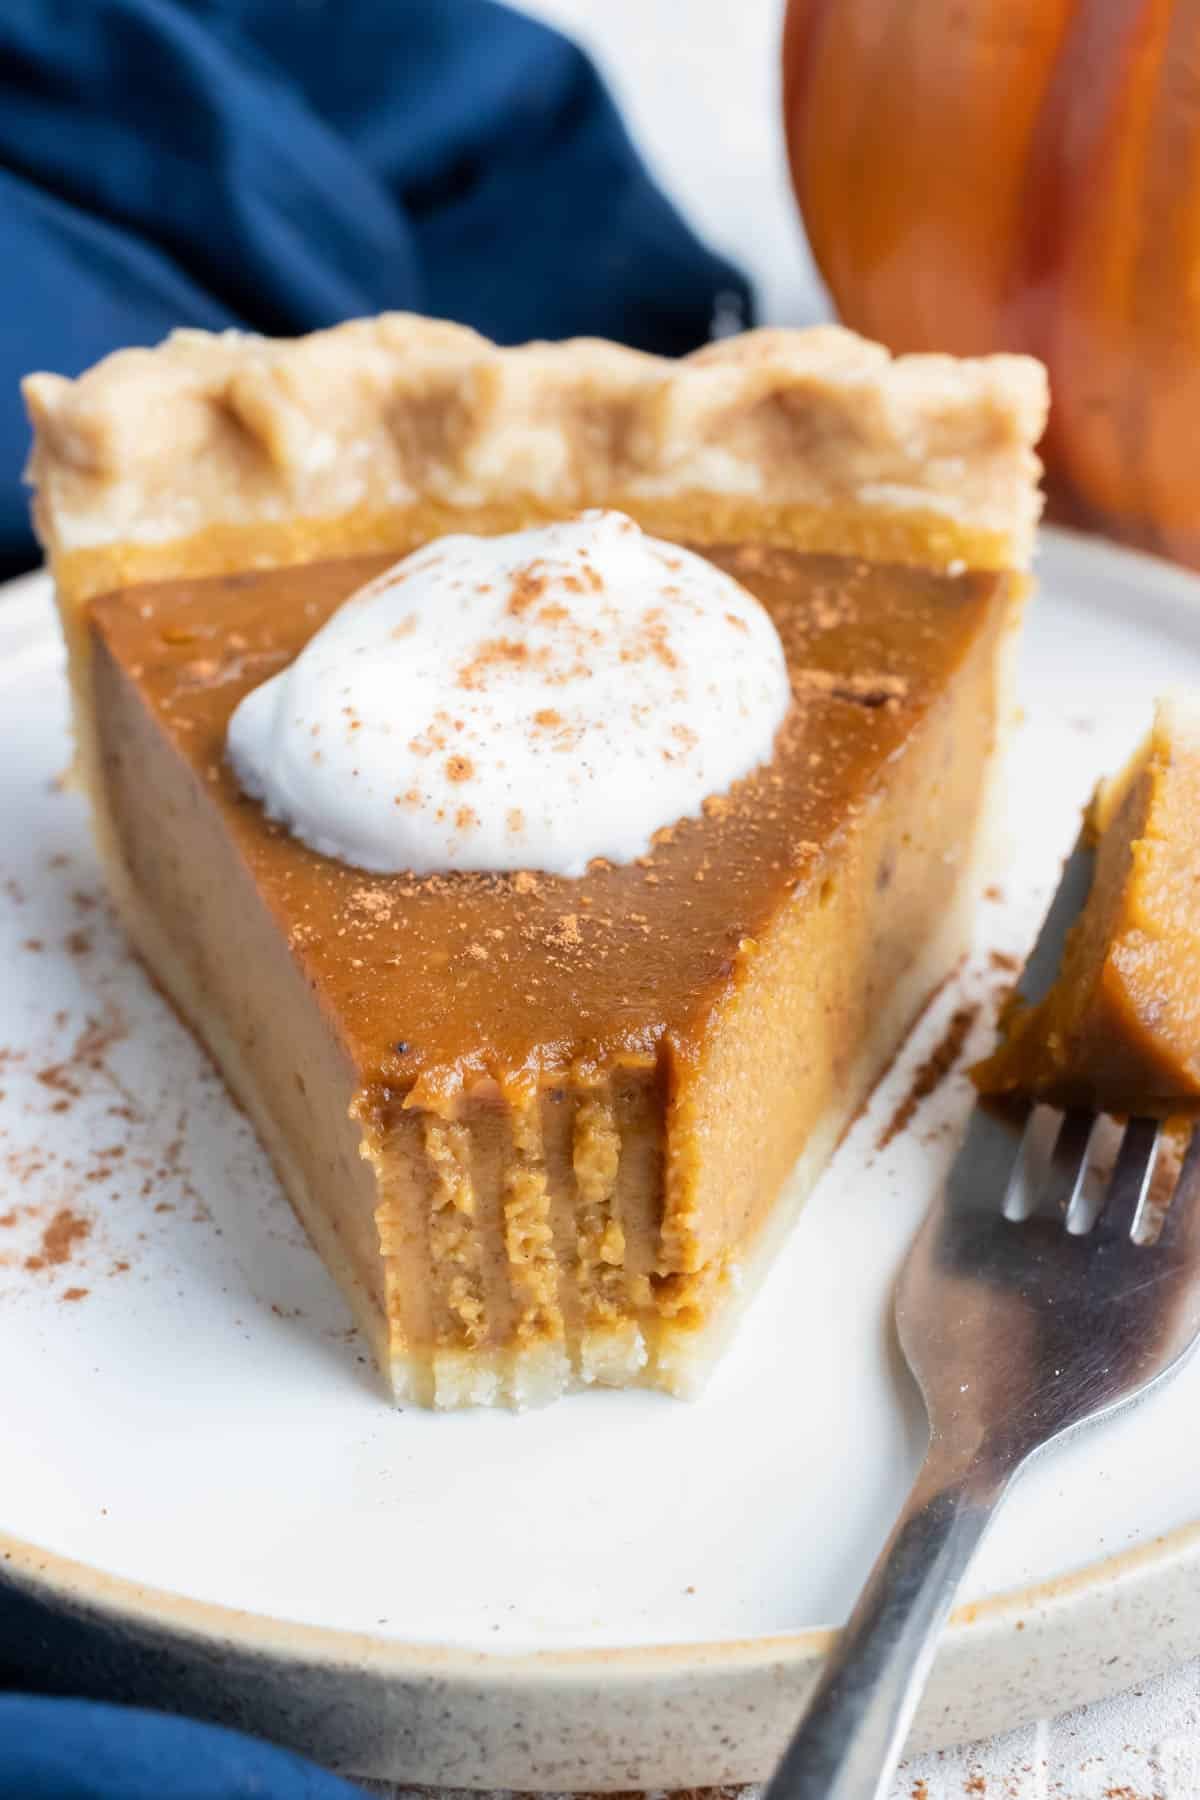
566 933
373 901
65 1230
492 654
929 1075
528 586
861 690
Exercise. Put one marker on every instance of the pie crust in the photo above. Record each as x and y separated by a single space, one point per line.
217 452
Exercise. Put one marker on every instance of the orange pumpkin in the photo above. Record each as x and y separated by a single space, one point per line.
1023 175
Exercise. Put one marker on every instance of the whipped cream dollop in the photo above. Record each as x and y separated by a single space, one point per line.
532 701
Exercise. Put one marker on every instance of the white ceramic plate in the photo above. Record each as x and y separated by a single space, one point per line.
206 1489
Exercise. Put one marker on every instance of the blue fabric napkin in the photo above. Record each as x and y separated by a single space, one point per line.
75 1750
280 165
283 164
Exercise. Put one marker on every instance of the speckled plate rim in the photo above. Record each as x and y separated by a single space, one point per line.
648 1717
670 1715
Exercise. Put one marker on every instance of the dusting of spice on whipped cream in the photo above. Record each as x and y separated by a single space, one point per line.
531 701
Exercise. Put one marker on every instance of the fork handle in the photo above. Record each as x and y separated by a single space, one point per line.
850 1739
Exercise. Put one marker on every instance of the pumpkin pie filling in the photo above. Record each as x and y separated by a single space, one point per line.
1119 1031
561 1152
545 1129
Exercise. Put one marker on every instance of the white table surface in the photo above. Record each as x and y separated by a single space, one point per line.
699 83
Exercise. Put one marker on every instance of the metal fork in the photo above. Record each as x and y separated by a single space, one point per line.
1022 1319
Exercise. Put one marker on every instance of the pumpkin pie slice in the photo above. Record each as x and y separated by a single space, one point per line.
1119 1031
548 1130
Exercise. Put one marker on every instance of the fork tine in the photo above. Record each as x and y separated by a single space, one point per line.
1181 1221
1130 1178
1068 1163
1030 1163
